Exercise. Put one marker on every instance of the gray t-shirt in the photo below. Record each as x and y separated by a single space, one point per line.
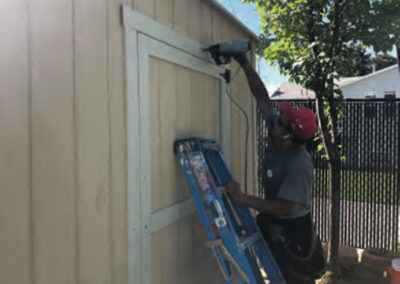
289 176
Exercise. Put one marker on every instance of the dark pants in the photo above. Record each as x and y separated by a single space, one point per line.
295 235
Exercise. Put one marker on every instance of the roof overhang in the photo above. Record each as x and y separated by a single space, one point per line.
235 19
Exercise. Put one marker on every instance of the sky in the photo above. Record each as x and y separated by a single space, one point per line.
248 15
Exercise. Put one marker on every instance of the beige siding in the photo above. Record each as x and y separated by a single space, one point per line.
93 141
63 149
118 159
53 184
15 191
183 103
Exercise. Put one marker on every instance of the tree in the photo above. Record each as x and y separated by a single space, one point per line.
384 60
361 65
311 41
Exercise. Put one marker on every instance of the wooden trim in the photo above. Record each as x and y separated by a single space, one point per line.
164 217
148 26
141 43
145 158
168 53
149 47
133 151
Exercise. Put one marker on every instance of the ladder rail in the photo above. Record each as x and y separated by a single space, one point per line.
237 240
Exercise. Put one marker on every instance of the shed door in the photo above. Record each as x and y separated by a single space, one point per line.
179 96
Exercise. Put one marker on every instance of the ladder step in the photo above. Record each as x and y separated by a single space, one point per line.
248 242
235 248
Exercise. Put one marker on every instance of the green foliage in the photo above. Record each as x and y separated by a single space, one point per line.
363 62
314 42
311 39
384 60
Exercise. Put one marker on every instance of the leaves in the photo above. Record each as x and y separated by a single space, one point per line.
314 42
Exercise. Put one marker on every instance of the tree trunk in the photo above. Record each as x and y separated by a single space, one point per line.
332 149
333 254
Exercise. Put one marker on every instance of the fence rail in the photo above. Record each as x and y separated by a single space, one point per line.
370 182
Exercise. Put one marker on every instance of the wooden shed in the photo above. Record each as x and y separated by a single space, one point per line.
92 95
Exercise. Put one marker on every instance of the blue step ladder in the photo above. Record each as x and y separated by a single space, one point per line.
233 235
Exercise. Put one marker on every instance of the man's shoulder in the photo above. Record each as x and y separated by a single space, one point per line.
301 162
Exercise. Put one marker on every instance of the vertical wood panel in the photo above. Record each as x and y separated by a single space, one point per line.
183 130
183 102
181 20
93 141
15 214
53 182
166 158
147 7
226 28
194 18
233 30
214 99
118 176
244 101
206 22
205 267
236 143
164 12
216 25
197 103
185 250
165 260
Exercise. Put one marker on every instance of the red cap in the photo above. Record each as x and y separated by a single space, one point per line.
301 119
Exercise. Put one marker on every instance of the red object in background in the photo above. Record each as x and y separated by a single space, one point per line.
394 271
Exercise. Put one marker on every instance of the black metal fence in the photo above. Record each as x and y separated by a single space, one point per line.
370 179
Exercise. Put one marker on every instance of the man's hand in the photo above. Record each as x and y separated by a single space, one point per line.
276 207
233 188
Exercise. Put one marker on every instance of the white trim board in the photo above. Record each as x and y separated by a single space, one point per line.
142 43
151 221
164 217
133 152
146 25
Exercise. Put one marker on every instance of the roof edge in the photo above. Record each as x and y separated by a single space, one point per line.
361 78
231 16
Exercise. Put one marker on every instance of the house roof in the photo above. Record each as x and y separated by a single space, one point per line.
231 16
342 82
288 90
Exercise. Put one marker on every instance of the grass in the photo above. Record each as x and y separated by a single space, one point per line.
378 187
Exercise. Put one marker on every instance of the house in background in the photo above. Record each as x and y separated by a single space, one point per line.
380 84
385 82
291 91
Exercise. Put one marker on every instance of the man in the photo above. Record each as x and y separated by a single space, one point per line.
284 215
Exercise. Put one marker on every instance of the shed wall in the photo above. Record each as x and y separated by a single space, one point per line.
63 149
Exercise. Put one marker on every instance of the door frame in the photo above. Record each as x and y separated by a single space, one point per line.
145 38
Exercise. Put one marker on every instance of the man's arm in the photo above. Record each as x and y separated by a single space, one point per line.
275 207
256 85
